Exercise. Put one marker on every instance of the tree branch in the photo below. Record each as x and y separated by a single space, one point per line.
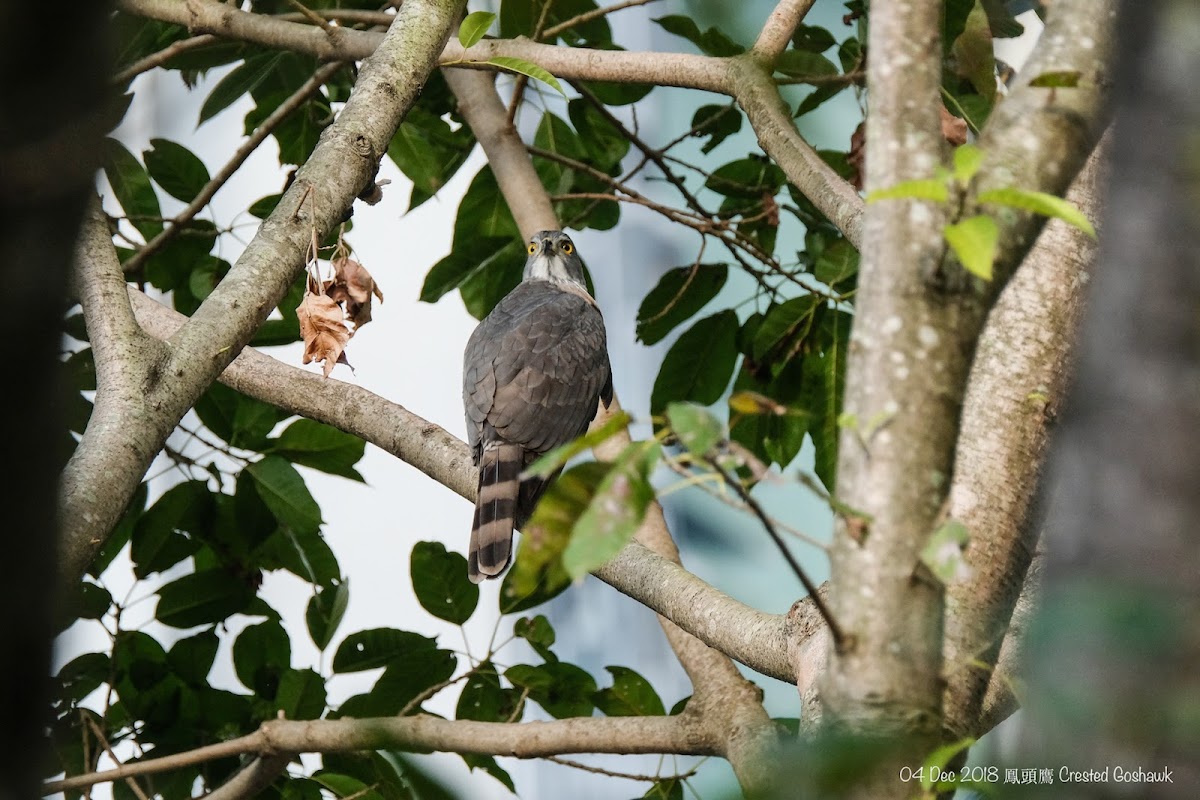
107 463
751 636
680 734
743 78
343 165
1016 388
775 35
1068 122
487 117
209 190
729 703
894 463
251 779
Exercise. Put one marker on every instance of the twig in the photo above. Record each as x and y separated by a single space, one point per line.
251 779
310 15
779 27
588 16
649 152
432 690
162 56
522 80
835 630
99 734
732 503
567 762
297 99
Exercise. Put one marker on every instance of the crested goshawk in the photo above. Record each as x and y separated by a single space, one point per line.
534 373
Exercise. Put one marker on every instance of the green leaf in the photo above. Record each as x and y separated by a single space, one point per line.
301 694
325 611
485 700
679 294
713 41
246 77
813 39
554 460
936 762
944 552
440 582
784 328
238 419
838 262
967 160
176 169
605 144
207 596
488 764
750 177
538 633
82 675
818 97
717 122
91 601
538 574
823 380
347 787
665 789
805 65
263 206
488 254
631 695
314 444
421 668
1059 79
131 184
261 654
1040 203
921 189
698 366
192 658
282 489
168 531
474 27
428 152
377 647
974 241
615 512
306 555
564 690
974 55
698 430
528 69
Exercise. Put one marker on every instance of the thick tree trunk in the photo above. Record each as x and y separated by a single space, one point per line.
1117 644
49 143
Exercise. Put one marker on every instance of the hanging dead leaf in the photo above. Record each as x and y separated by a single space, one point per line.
856 158
325 334
954 130
353 286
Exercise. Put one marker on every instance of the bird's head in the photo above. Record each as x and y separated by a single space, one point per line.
552 257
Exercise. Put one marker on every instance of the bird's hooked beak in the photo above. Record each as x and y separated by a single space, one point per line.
547 247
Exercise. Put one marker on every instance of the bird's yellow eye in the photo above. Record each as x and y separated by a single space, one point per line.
532 248
567 248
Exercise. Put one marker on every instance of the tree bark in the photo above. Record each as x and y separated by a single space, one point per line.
50 135
1116 646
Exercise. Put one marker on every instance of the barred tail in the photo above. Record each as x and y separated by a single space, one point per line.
495 510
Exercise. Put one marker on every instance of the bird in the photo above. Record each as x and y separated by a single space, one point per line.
535 371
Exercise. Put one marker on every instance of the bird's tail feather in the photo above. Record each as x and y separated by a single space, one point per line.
495 510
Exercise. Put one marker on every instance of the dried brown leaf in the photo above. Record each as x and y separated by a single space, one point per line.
856 158
325 334
953 129
353 286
